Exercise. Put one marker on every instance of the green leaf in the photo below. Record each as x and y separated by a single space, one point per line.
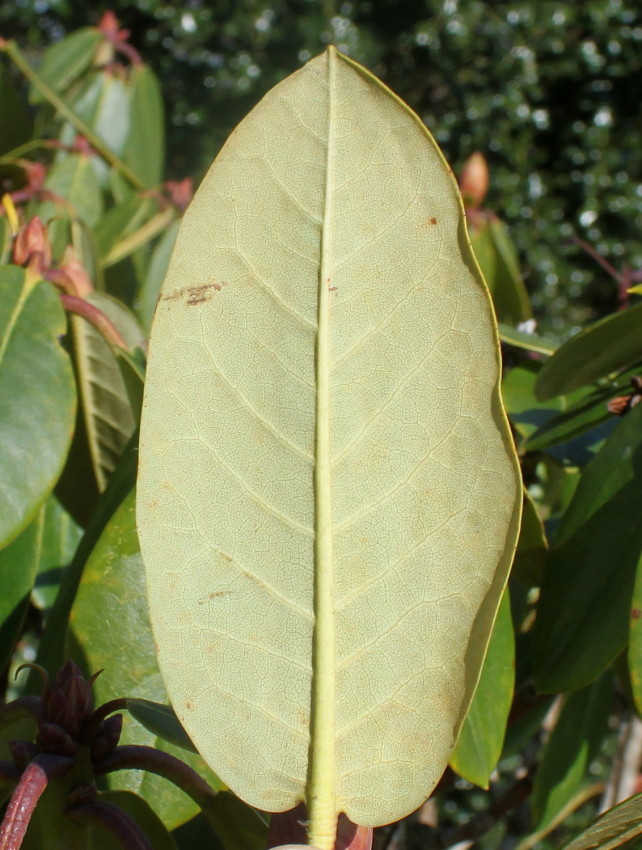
51 649
18 567
73 179
64 62
498 261
145 150
122 220
108 417
527 341
612 829
612 344
16 130
526 413
162 721
110 623
635 640
37 397
584 415
150 290
572 745
30 567
482 736
583 614
532 546
329 497
59 539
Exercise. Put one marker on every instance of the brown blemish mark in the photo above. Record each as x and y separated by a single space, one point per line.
188 706
194 294
636 613
432 220
332 289
218 593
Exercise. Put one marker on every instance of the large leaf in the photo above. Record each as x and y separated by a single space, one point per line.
583 614
329 497
482 736
111 626
612 344
37 397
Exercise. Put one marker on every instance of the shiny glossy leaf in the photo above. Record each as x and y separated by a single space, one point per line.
583 613
37 397
145 149
570 748
612 344
482 736
110 623
329 498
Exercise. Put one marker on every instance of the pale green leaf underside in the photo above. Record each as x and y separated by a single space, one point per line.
322 310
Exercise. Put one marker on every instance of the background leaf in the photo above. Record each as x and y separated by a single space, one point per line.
572 745
583 614
145 149
481 739
607 346
111 627
34 433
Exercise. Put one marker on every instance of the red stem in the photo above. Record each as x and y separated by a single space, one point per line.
25 797
96 317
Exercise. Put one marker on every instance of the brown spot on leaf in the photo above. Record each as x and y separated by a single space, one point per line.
218 593
188 705
194 294
636 614
432 220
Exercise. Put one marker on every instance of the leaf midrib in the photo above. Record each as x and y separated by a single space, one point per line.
321 784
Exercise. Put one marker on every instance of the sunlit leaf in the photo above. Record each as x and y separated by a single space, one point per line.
329 498
37 397
612 344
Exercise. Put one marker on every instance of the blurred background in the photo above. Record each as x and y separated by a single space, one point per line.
549 92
